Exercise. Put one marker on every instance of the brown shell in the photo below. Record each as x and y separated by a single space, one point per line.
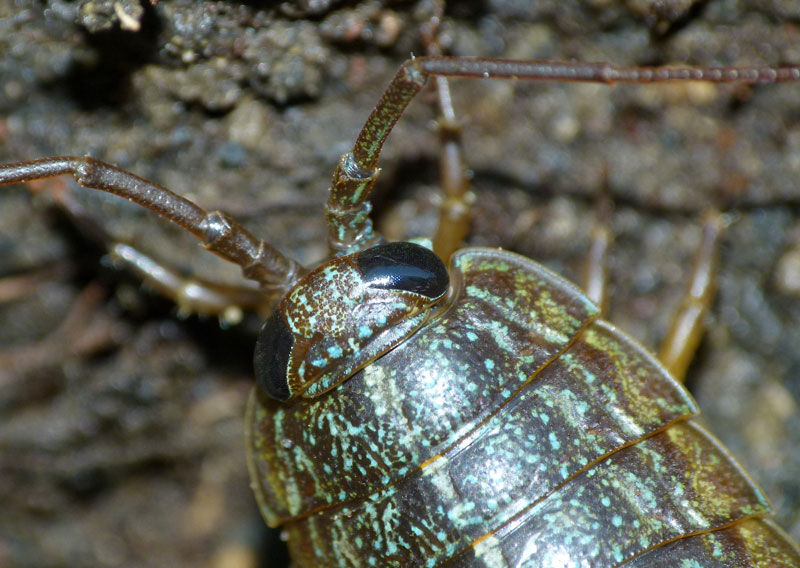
514 430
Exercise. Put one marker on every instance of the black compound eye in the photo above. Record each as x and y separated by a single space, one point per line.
404 266
271 357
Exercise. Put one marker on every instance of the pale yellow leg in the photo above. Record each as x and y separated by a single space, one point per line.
595 282
680 344
454 212
192 295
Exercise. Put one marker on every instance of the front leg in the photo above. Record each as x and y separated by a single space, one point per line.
218 232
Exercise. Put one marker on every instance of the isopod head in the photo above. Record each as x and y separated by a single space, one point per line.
343 315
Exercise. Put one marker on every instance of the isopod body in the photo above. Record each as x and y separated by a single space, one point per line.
515 429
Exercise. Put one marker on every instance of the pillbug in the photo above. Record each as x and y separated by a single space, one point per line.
468 88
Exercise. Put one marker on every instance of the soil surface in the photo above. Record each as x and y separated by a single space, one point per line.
121 420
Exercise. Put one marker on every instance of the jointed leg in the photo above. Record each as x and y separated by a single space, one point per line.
219 234
191 295
454 212
596 273
686 331
595 281
688 323
348 207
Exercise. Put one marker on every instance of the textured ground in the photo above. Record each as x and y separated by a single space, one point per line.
120 441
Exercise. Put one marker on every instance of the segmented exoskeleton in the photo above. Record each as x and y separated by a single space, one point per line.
528 434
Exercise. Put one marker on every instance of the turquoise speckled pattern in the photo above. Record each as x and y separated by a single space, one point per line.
514 429
381 426
338 323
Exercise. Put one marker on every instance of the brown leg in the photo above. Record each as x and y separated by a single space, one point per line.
680 344
454 212
191 295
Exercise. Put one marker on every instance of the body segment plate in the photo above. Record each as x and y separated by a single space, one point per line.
547 439
508 317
